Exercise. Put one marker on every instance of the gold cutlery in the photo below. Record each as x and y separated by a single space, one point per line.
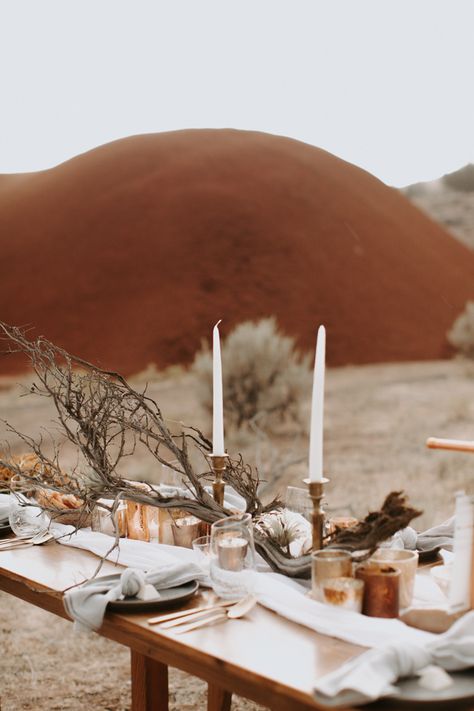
13 543
185 613
219 617
236 610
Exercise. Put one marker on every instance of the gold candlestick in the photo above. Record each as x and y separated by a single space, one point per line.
316 493
218 466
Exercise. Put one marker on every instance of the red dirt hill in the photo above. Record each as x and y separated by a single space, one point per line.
128 254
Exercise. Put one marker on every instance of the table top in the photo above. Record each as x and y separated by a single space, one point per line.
262 656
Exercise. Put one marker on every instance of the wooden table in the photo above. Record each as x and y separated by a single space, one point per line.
262 657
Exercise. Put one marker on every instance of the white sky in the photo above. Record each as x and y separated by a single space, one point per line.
385 84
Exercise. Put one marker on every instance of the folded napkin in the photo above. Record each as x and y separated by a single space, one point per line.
86 605
441 536
4 507
373 674
165 566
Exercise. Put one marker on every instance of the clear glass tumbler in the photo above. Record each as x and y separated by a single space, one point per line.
202 549
232 556
26 518
297 500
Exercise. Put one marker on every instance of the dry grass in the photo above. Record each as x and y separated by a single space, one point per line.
377 420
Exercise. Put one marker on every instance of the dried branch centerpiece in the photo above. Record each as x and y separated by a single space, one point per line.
105 419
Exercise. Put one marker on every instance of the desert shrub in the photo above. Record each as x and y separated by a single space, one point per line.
461 335
265 379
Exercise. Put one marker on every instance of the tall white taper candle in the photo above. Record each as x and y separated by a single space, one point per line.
317 410
217 409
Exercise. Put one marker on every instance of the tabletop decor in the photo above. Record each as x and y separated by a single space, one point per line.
218 459
404 561
316 480
381 590
106 419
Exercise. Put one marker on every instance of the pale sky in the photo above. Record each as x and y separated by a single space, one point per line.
384 84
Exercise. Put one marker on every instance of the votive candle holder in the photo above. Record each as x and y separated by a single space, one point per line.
381 590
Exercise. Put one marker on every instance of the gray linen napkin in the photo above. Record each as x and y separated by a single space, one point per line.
372 674
441 536
86 605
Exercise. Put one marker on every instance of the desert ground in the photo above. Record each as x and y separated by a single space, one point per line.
377 420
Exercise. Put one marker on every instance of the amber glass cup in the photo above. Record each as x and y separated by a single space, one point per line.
381 590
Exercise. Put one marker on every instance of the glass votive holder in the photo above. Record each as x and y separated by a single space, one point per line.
297 500
171 474
103 521
232 556
404 561
329 563
165 526
202 548
26 518
142 521
185 530
381 590
342 592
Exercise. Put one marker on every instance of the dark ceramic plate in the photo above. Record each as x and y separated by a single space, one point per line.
410 694
4 529
169 597
430 555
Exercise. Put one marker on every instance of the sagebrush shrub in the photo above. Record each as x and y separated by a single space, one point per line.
265 379
461 335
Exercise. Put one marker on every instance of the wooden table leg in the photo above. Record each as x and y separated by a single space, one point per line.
149 684
218 699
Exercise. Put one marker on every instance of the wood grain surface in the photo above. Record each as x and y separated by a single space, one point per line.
249 656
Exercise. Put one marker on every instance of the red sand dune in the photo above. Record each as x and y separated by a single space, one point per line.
128 254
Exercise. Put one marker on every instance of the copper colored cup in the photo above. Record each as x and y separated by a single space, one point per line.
381 591
341 522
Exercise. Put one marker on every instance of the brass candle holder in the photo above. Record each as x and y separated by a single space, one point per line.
316 493
218 465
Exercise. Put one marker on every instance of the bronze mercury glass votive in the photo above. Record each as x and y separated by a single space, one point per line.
326 564
186 529
381 591
231 552
406 562
347 593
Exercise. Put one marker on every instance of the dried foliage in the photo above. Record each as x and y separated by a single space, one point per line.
265 379
461 335
361 541
106 419
377 526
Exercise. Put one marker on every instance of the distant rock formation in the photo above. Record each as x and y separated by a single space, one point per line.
450 201
128 254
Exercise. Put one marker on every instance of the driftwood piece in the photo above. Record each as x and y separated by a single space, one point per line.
377 526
